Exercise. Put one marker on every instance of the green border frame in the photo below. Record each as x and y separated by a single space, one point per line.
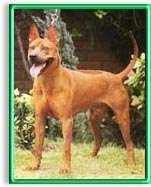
12 180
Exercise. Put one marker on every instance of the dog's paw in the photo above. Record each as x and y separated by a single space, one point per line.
131 163
64 170
31 168
93 154
131 160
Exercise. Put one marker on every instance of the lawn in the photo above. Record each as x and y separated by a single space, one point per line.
110 163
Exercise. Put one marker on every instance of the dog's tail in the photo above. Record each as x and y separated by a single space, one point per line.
124 74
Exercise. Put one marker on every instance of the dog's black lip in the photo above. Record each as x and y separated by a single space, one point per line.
47 62
37 63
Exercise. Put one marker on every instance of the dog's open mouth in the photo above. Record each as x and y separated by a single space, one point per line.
37 69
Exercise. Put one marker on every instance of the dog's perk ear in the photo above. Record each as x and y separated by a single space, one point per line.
34 33
52 35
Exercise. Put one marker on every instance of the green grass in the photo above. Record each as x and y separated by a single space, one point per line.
110 163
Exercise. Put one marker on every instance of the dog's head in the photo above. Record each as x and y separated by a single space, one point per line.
42 52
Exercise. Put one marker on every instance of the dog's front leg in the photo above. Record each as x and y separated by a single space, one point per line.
67 136
39 139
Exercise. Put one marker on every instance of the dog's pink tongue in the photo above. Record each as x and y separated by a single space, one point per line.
35 70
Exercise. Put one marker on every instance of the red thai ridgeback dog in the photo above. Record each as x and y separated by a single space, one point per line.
62 93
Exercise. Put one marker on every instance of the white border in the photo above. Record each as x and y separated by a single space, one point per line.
4 74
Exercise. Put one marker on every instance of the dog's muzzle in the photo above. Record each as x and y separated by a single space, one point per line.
38 66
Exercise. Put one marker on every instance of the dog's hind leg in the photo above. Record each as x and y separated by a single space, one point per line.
124 124
121 109
95 117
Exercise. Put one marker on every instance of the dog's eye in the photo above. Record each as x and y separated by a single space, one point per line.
45 48
32 47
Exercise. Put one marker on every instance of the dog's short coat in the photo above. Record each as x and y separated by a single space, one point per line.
61 93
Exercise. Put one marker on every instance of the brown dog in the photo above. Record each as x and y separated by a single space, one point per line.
61 93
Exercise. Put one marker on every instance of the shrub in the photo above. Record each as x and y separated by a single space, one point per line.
81 132
23 120
136 87
53 129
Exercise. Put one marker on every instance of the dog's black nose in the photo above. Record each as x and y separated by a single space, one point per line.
33 57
